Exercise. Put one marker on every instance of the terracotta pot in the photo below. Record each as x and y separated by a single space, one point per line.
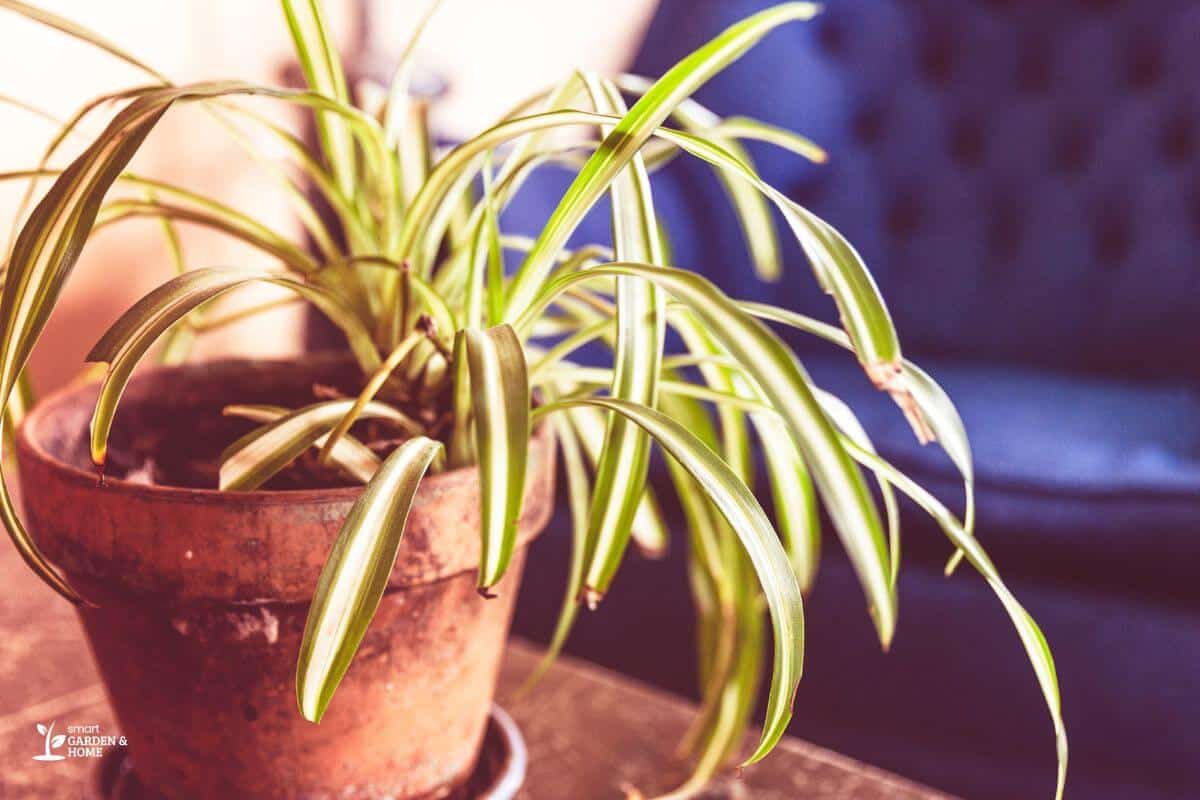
203 595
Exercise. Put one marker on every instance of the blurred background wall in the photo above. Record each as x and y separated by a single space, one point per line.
193 40
188 40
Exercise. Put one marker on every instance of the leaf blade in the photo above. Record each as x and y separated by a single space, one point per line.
1032 638
351 455
134 333
253 460
758 538
635 128
500 399
356 574
624 457
787 387
322 69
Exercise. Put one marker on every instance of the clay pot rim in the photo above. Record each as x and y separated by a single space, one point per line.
29 440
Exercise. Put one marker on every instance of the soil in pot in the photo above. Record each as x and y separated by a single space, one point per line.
154 443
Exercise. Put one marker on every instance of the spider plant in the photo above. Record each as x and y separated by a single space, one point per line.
412 268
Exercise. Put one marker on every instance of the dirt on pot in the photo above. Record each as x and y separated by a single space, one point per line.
203 597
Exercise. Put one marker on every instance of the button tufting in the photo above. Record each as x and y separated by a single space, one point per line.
1036 147
1144 66
1033 70
867 124
967 142
1071 151
903 215
937 59
1003 231
1112 238
1178 139
831 36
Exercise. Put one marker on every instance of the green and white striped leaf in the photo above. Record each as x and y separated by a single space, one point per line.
794 497
356 574
649 530
838 267
936 406
839 270
745 128
758 538
754 214
131 336
698 118
1032 638
322 67
485 259
349 454
847 423
625 455
628 136
787 388
720 584
500 406
49 243
257 457
24 308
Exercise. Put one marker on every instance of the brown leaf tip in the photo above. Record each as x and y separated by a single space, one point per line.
650 553
889 377
486 593
591 597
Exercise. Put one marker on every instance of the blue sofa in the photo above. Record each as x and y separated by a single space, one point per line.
1024 180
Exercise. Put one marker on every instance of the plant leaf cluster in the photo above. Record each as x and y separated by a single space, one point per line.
436 302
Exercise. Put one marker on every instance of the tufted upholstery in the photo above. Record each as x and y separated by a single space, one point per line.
1024 181
1023 178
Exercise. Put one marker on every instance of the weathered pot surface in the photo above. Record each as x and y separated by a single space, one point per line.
203 597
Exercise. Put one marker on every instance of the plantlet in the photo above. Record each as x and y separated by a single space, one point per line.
452 348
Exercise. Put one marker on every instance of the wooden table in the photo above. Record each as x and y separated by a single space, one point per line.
591 733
